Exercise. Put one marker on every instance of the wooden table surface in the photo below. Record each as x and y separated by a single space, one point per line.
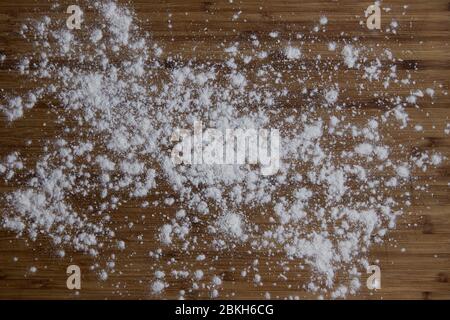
420 271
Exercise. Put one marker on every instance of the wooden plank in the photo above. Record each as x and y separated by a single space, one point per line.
420 272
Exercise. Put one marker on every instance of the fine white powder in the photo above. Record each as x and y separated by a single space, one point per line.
292 53
119 117
350 54
157 287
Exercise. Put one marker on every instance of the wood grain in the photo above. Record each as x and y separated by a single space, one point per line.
420 272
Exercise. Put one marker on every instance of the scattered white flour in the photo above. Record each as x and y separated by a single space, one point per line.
331 96
232 225
318 214
350 55
292 53
323 20
158 287
332 46
447 129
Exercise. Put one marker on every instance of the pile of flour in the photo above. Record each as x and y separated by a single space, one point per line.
119 96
